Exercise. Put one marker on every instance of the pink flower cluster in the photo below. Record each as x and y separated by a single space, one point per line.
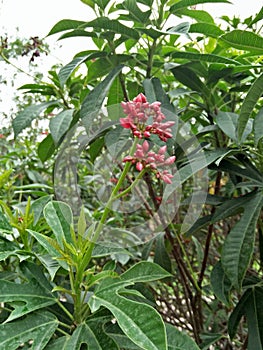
138 112
143 158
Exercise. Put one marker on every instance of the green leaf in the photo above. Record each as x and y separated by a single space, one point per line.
7 248
185 3
114 26
25 117
221 284
135 13
253 95
155 33
65 24
198 15
239 244
178 340
58 344
51 247
154 92
195 165
253 312
4 224
237 313
161 257
60 124
250 305
37 207
69 68
39 327
143 271
243 40
187 77
258 127
46 148
228 123
83 334
31 294
257 18
207 29
60 219
94 100
203 57
140 322
50 264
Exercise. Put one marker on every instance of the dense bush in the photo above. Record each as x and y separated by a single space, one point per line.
147 234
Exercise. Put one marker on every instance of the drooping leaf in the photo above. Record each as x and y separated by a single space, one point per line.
60 124
65 24
243 40
39 327
207 29
249 103
249 305
94 100
161 257
220 284
187 77
239 244
258 127
25 117
59 217
46 148
69 68
31 295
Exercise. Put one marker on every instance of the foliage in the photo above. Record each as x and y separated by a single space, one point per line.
116 274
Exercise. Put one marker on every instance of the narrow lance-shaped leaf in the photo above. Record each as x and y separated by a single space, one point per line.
60 219
94 100
243 40
250 305
207 29
258 127
248 104
39 327
65 24
239 244
69 68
